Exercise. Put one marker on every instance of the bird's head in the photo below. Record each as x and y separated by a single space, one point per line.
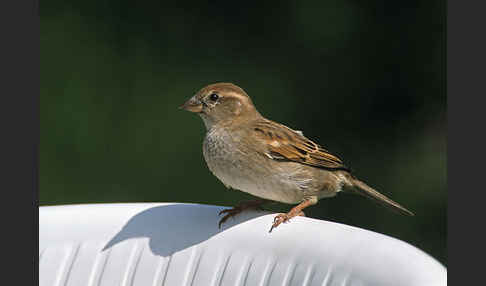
221 104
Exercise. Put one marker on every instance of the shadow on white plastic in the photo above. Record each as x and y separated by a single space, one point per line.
160 222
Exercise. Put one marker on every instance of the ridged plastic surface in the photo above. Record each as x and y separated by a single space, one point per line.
180 244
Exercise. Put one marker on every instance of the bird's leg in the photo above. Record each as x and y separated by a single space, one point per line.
254 204
295 211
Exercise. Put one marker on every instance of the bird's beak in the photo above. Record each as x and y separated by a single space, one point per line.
192 105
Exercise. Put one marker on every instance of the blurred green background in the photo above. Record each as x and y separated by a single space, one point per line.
365 79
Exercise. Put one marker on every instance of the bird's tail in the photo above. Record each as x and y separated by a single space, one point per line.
362 188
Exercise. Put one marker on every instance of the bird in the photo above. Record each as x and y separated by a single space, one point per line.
253 154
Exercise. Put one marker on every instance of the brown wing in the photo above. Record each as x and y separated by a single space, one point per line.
283 143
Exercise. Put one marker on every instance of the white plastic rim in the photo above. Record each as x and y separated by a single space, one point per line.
153 244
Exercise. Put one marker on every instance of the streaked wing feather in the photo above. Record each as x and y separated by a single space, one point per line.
283 143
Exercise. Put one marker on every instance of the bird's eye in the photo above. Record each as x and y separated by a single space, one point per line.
214 96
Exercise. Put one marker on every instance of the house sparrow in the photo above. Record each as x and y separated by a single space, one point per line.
250 153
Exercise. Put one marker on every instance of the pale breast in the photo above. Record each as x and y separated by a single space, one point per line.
243 169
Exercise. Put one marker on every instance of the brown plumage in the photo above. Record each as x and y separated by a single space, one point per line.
248 152
287 144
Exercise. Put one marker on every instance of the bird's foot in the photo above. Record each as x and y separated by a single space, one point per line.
284 218
256 204
295 211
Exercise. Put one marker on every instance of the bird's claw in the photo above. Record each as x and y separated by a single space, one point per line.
280 218
283 218
238 209
229 213
234 210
